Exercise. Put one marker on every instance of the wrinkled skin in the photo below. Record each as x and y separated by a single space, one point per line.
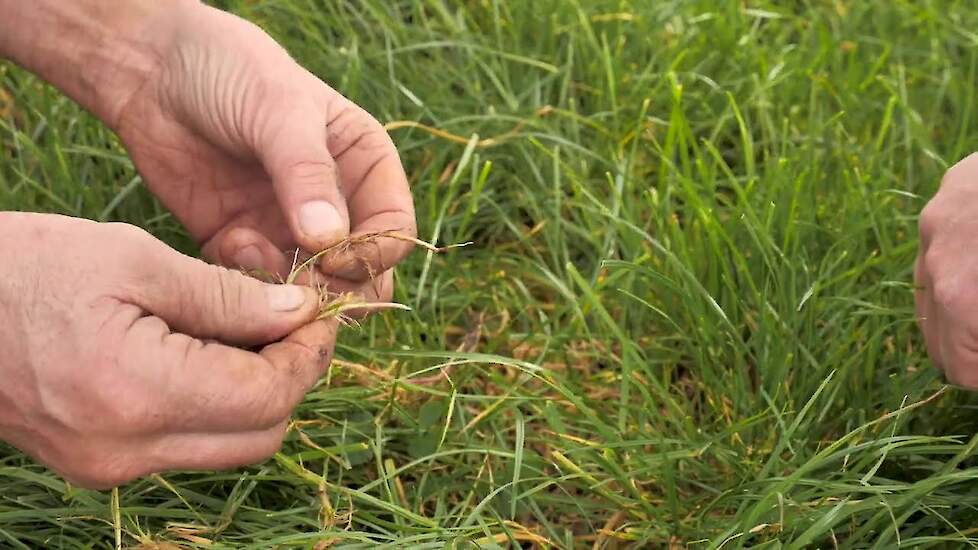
120 357
235 137
946 275
103 390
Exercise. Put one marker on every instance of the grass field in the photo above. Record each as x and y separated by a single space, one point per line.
686 320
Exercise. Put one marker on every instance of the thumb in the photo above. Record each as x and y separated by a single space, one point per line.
305 178
211 302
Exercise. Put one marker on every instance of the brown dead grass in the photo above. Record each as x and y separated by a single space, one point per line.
339 305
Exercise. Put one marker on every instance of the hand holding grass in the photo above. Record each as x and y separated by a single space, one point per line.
257 156
102 381
115 351
251 152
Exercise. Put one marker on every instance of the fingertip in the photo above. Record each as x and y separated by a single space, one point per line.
290 308
321 224
249 250
288 298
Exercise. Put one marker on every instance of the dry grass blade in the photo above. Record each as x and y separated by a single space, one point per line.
349 243
338 305
455 138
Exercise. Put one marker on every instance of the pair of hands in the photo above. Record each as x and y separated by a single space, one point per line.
116 352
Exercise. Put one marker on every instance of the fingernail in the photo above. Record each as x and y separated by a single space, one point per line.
284 298
320 220
249 257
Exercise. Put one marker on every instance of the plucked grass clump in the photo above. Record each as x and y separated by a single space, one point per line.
338 304
686 320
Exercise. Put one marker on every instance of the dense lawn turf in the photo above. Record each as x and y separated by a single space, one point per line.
687 315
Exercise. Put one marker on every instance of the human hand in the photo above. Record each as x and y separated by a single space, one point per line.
946 275
256 156
109 365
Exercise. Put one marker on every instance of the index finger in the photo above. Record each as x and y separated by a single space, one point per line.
377 194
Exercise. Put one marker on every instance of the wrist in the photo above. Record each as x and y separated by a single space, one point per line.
97 52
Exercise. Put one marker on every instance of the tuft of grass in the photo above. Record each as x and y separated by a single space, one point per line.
686 320
336 305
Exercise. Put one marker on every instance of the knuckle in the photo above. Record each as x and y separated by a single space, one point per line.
929 219
228 293
355 129
311 173
138 245
130 414
933 262
126 232
124 408
949 295
368 135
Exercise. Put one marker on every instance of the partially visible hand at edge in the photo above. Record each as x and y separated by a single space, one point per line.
946 275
